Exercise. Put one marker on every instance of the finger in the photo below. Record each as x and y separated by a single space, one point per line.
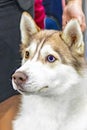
82 23
79 20
83 26
64 21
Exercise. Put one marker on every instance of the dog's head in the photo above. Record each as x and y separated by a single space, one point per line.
52 60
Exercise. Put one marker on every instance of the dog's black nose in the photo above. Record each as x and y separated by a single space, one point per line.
19 78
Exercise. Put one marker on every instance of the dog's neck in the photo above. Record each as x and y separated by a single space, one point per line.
52 110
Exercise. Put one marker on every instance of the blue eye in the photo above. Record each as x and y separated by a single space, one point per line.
51 58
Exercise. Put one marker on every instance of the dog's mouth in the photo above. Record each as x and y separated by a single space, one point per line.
43 89
27 92
21 91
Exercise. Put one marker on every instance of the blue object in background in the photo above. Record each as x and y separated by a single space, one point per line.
51 23
53 9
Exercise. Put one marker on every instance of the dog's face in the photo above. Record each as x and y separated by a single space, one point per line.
52 60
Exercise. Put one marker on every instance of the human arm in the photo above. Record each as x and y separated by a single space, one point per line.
73 9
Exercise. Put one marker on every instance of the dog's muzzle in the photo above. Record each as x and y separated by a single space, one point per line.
19 80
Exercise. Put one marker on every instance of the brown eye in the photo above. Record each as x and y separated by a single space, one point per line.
27 54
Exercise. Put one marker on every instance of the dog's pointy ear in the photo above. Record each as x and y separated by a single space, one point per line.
27 27
73 37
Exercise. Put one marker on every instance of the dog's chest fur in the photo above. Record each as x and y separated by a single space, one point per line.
65 112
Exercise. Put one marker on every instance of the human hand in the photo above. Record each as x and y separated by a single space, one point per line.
73 10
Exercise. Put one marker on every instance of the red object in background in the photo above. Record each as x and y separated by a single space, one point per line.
39 13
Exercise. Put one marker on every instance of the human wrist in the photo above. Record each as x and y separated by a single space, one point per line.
78 2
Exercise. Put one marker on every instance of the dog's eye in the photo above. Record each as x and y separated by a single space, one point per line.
51 58
27 54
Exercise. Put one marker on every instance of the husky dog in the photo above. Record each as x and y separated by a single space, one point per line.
52 78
